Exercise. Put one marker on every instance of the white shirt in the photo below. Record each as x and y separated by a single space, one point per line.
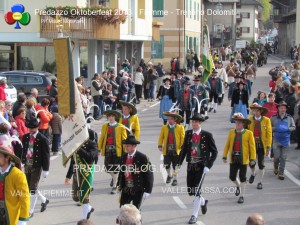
259 118
126 117
197 132
34 135
240 131
112 124
172 126
7 169
131 155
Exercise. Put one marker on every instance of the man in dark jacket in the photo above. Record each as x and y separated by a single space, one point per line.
136 175
200 152
36 157
83 174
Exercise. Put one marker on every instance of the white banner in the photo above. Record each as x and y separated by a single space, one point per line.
74 130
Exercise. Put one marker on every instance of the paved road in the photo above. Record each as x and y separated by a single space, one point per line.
278 202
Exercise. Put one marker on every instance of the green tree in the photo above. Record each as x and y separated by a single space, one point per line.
269 24
266 9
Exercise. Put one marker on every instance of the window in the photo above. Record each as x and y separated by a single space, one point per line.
191 43
194 12
186 43
198 12
187 8
158 7
34 80
157 48
2 6
245 29
245 15
141 9
190 9
15 79
196 45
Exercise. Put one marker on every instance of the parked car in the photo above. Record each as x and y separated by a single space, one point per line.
10 91
25 80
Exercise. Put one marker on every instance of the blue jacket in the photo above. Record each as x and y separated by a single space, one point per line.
282 128
191 99
218 85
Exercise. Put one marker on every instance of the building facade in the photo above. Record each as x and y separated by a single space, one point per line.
286 14
181 30
97 45
237 19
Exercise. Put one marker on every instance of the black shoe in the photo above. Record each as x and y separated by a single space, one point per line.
44 205
204 207
193 220
215 111
174 183
280 176
89 213
206 118
210 109
259 186
297 148
251 180
237 191
111 183
241 200
169 180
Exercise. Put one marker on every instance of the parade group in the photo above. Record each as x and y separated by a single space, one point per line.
263 127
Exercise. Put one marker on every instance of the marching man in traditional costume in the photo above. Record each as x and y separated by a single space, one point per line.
201 93
36 157
170 142
250 72
110 145
240 148
223 75
231 71
82 169
215 91
262 131
200 152
14 193
185 102
136 177
130 119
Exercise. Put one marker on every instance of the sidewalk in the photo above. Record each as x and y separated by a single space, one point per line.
281 57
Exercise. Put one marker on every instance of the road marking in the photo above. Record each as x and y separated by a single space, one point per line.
292 178
144 110
53 157
179 202
154 104
200 223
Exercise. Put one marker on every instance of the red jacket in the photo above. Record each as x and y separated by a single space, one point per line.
21 128
2 92
272 109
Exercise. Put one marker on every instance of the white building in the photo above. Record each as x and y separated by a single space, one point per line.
248 19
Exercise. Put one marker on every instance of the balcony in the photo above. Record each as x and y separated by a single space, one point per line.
79 28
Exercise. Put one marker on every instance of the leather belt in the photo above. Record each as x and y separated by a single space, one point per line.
29 162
